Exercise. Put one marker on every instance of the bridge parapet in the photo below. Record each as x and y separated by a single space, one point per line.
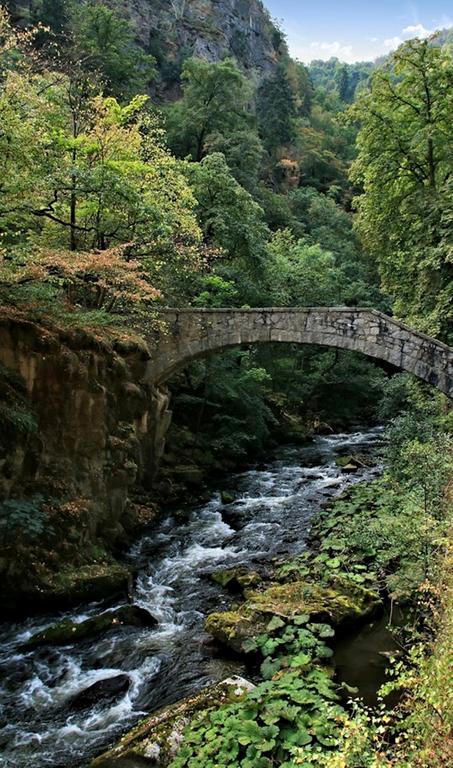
192 333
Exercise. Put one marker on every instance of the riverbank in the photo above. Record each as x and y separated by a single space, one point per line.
380 543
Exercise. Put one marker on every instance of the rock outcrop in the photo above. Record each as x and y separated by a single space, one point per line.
208 29
173 30
79 430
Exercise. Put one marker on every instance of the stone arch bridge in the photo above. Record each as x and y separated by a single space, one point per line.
187 334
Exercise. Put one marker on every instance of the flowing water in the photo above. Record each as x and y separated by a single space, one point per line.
270 517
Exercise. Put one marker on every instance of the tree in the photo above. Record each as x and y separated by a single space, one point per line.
405 167
243 152
214 103
111 181
94 280
229 217
102 43
301 274
276 110
343 84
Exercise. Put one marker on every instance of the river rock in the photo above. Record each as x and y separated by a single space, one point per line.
236 579
188 474
106 690
352 463
226 497
156 740
341 603
70 631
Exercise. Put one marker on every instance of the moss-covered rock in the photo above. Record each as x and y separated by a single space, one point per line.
227 497
342 602
236 579
78 584
188 474
351 463
70 631
156 739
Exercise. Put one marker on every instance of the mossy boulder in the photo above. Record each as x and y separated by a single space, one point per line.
226 497
236 579
351 463
81 584
155 740
341 603
69 631
188 474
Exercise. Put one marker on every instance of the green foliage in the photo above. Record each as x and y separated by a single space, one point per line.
214 104
23 517
344 79
268 727
395 524
229 217
404 164
104 44
223 403
292 644
16 414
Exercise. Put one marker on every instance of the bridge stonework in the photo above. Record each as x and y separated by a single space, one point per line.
191 333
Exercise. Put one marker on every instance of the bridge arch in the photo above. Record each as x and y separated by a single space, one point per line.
191 333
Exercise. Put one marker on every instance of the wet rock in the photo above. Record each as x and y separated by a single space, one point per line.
352 463
226 497
232 518
236 579
156 740
105 691
69 631
339 604
190 474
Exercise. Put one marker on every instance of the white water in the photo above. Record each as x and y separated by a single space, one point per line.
270 518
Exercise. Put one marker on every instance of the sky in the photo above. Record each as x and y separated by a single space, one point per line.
356 30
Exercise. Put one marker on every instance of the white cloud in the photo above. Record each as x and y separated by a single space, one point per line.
366 49
325 50
391 43
417 30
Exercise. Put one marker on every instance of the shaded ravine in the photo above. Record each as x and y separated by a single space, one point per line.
269 518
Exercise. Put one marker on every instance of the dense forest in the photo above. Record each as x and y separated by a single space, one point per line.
320 185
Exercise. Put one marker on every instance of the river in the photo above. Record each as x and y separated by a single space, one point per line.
269 518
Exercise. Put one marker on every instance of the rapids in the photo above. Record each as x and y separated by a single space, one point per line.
269 518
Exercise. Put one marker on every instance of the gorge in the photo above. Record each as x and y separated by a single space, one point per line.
226 372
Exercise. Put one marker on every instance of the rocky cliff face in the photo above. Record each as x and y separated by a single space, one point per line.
211 29
173 30
78 431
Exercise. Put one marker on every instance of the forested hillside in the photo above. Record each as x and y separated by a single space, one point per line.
173 154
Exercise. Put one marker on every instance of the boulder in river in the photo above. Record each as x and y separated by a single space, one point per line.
156 740
105 691
236 579
351 463
226 497
70 631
